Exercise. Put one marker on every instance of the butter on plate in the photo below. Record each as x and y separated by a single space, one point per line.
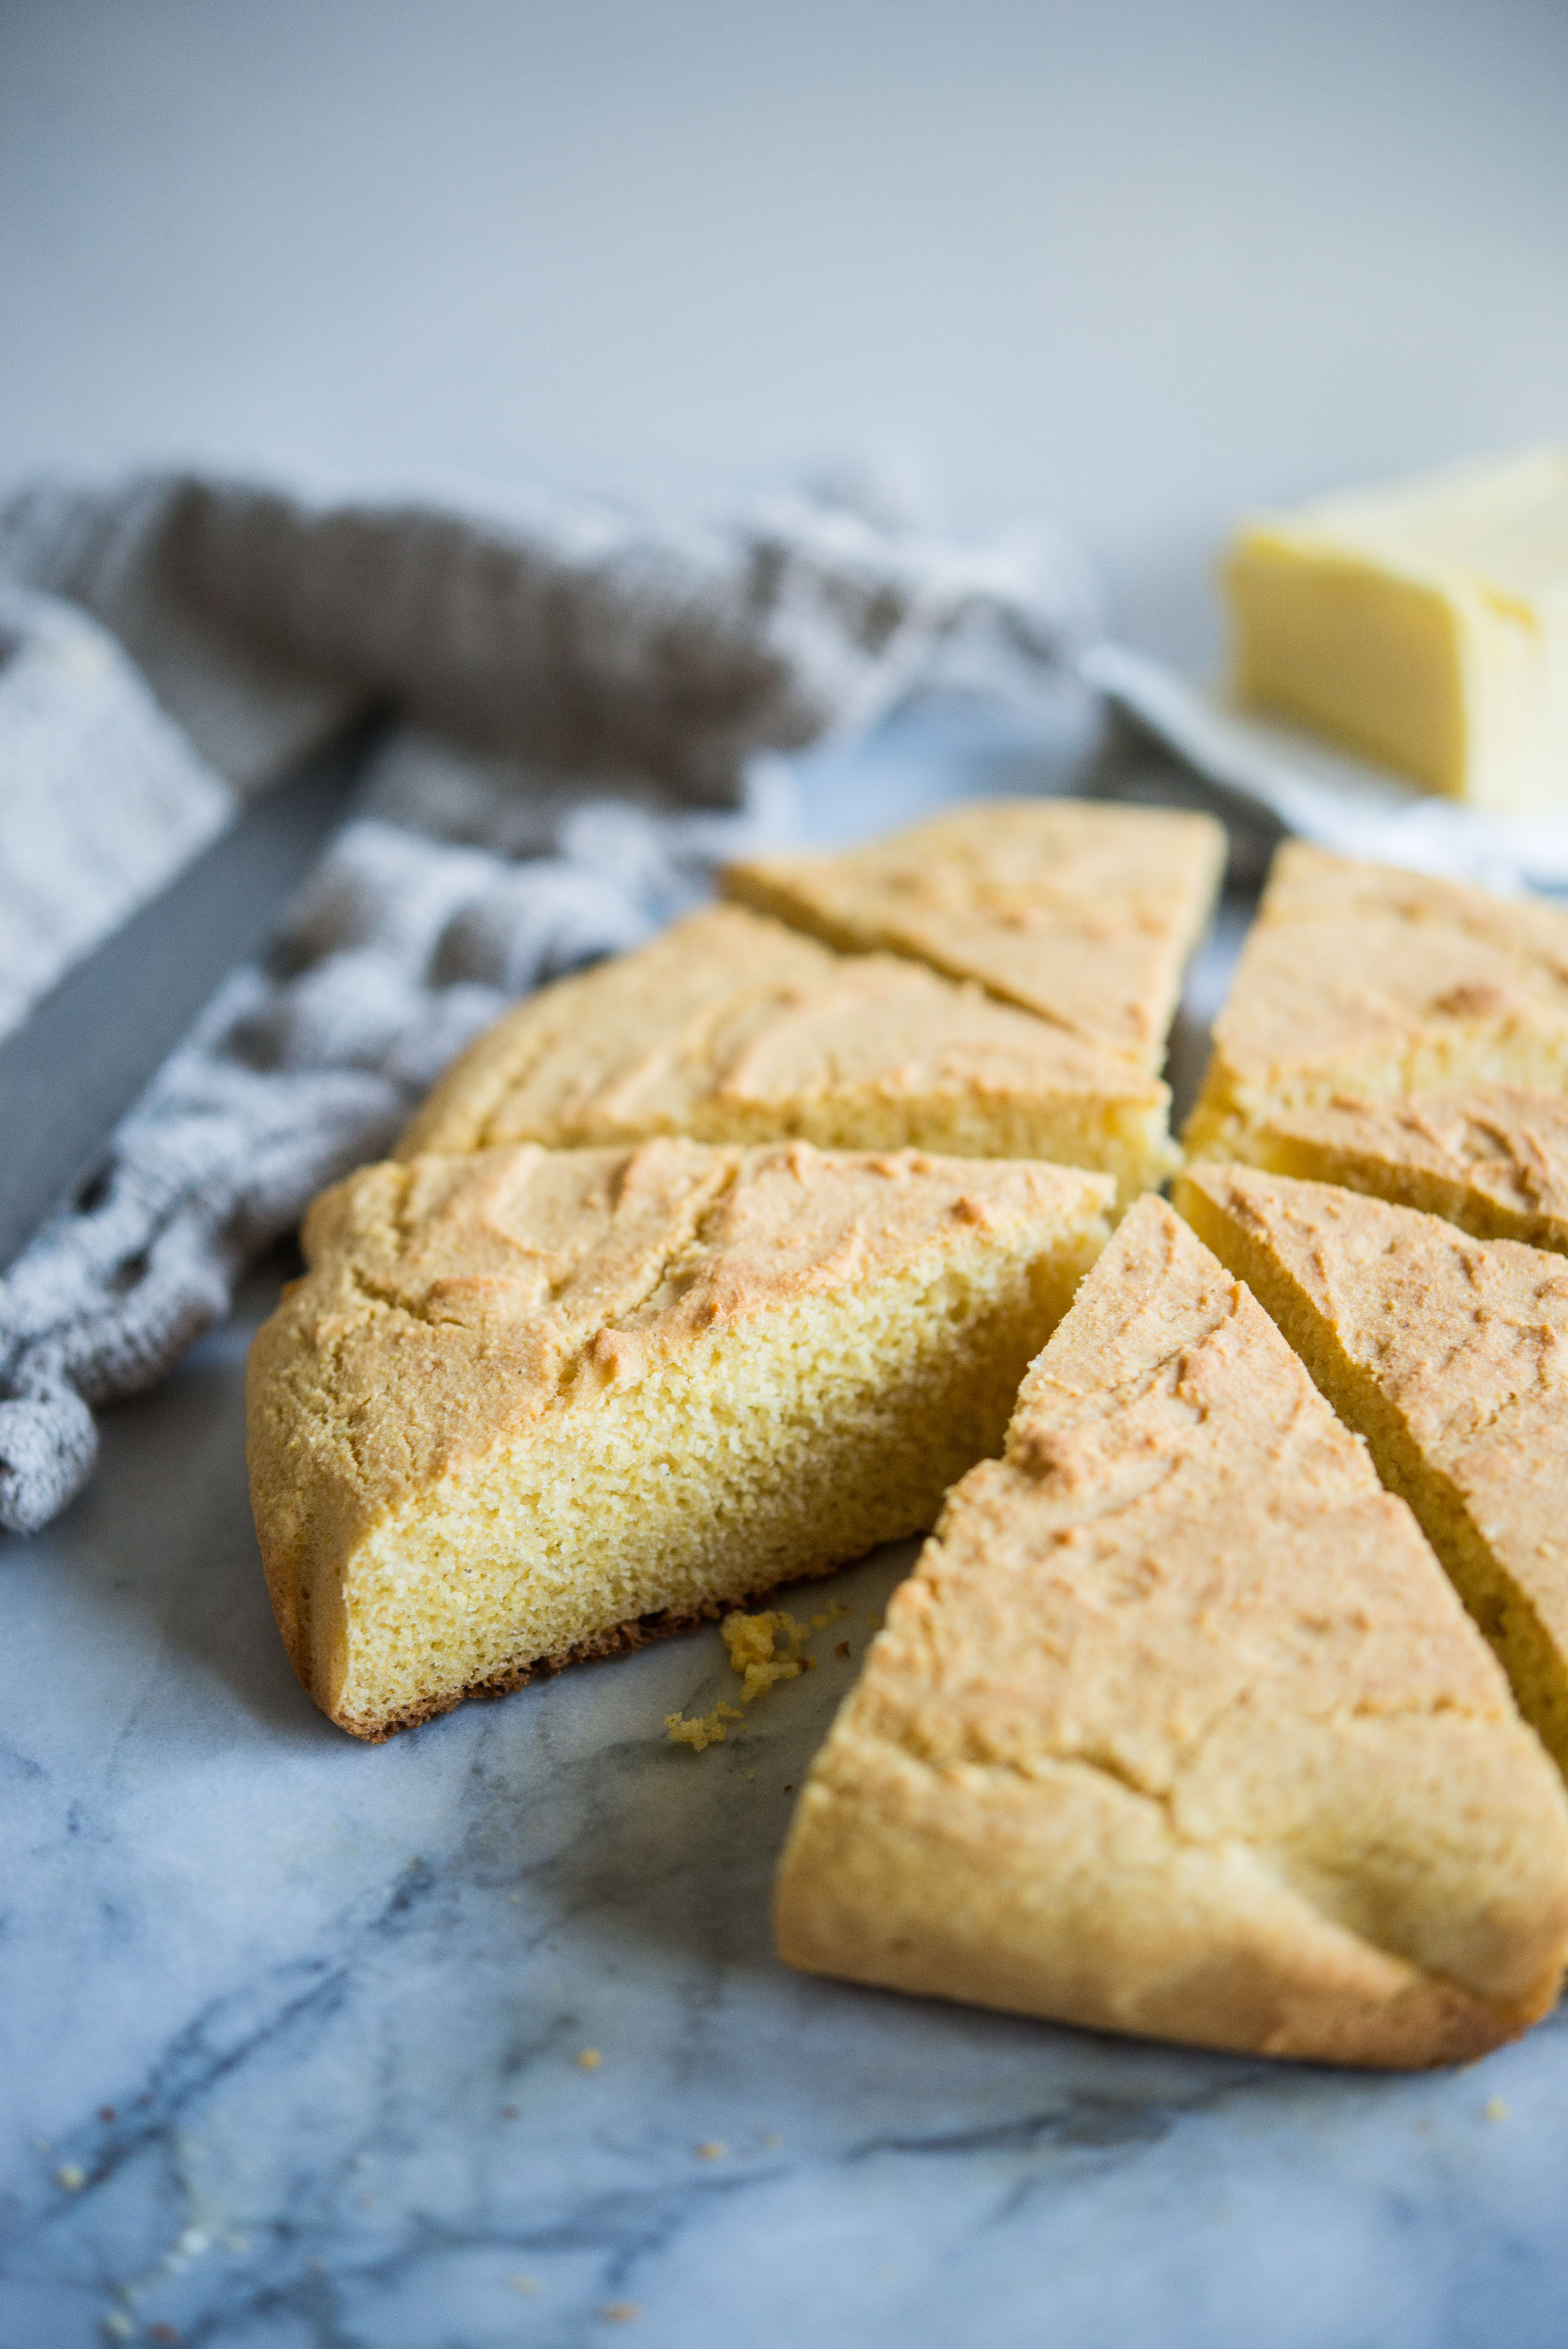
1424 624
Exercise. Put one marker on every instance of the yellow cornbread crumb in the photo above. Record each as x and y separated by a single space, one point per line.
1496 2110
714 2150
590 2059
705 1731
70 2177
750 1640
621 2311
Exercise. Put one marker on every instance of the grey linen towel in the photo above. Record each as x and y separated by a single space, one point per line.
583 696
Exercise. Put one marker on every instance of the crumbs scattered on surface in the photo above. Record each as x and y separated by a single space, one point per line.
1496 2110
843 1649
714 2150
764 1648
621 2311
72 2179
751 1641
705 1731
590 2059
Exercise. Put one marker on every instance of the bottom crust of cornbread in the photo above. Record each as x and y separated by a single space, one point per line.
620 1639
1178 1727
527 1400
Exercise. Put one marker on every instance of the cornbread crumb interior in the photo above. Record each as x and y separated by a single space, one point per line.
528 1403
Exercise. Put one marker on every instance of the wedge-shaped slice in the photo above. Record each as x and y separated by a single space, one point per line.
1080 911
1358 979
1450 1356
1493 1160
731 1028
1179 1728
527 1400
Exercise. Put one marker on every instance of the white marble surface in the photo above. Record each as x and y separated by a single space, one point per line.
292 2026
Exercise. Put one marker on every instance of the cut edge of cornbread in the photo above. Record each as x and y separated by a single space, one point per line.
1365 978
979 891
1537 1670
475 1454
732 1029
1491 1159
1180 1783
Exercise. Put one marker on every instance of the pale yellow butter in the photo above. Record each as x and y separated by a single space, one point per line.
1424 625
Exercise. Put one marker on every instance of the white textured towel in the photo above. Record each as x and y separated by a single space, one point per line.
584 694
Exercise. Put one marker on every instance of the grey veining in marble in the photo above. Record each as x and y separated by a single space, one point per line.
292 2028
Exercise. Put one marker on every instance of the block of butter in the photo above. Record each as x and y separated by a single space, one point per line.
1423 625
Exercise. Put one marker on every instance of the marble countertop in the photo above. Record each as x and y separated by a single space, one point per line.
297 2032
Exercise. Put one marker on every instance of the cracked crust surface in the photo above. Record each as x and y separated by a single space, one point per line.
1083 913
1360 978
1179 1728
729 1027
525 1399
1451 1355
1493 1160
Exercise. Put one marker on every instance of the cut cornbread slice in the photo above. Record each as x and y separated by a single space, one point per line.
731 1028
1359 979
1493 1160
1082 913
1424 622
526 1401
1450 1356
1178 1727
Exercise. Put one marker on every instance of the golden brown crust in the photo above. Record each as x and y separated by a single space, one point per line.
1492 1159
470 1320
729 1027
1082 913
1358 977
1451 1355
1169 1731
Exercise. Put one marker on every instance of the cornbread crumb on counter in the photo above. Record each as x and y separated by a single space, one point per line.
1178 1727
1450 1356
1358 979
751 1643
703 1730
529 1404
1081 912
729 1027
1493 1160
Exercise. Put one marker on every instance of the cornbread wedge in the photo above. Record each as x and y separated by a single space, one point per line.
1493 1160
1450 1356
529 1404
732 1029
1356 979
1179 1728
1082 913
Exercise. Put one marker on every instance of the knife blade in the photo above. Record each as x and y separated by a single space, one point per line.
88 1049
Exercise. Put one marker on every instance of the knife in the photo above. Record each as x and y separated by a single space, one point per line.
88 1050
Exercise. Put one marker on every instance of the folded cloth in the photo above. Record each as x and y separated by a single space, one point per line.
586 695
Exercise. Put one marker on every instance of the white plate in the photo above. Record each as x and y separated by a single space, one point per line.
1325 794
